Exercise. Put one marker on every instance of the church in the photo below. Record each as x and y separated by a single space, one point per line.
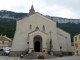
37 33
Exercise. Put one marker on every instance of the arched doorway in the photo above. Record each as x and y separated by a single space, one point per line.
37 46
37 43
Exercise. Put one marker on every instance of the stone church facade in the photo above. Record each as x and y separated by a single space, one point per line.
37 33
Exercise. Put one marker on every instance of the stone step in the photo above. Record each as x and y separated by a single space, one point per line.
34 55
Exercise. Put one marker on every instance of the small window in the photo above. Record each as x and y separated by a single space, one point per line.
27 42
2 42
30 26
77 52
43 28
76 45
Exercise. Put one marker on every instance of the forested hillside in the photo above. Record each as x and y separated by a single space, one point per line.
70 28
7 27
8 24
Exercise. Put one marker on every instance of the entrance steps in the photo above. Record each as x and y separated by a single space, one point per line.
34 55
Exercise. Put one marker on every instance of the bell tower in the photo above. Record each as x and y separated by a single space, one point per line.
31 11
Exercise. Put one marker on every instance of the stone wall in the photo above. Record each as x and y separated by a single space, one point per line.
17 53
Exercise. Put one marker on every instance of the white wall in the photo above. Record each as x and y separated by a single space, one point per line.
22 30
31 40
64 40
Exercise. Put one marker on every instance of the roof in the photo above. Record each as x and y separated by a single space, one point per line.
31 12
77 34
4 38
37 30
63 30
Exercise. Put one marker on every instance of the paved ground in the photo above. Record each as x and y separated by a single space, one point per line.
9 58
57 58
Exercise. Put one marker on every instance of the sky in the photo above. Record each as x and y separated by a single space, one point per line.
57 8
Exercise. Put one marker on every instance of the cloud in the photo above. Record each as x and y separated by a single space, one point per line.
63 8
60 8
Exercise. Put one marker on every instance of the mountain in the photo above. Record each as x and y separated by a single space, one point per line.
64 20
8 23
71 26
11 15
14 16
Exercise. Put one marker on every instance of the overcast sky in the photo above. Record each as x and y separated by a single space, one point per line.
59 8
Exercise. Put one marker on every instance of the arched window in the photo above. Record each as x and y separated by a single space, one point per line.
37 28
43 28
30 26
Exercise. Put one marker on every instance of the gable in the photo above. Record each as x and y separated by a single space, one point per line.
37 16
35 20
40 17
37 31
3 38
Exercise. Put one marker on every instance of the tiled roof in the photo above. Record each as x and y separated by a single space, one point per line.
3 38
77 34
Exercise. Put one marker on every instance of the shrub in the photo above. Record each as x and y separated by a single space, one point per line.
41 56
32 50
60 55
43 50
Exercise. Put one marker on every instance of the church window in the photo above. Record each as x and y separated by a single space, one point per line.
37 28
43 28
30 26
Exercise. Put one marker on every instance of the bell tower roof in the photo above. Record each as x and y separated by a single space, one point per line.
31 11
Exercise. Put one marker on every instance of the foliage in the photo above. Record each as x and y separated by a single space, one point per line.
70 28
43 50
32 50
7 28
60 55
41 56
8 25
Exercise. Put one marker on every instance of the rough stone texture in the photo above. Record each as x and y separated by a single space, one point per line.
34 55
56 53
64 53
17 53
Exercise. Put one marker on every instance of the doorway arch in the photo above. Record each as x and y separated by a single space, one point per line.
37 46
37 43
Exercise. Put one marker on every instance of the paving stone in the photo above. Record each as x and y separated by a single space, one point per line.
34 55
